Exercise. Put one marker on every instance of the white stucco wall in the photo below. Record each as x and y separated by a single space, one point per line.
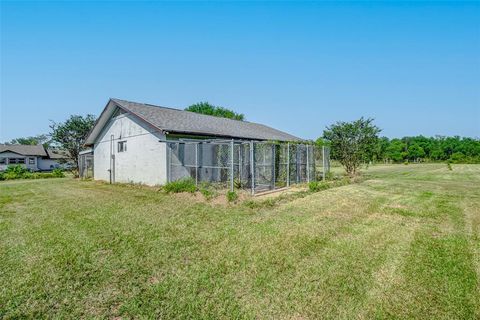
143 162
47 164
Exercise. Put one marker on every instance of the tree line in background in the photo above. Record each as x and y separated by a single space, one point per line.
420 148
351 143
43 139
357 142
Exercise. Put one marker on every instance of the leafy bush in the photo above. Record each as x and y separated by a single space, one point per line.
457 157
316 186
58 173
20 172
207 190
313 186
10 176
15 172
29 175
232 196
182 185
329 176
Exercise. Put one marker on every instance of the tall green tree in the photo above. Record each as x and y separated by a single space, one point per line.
415 152
380 149
320 142
211 110
71 134
42 139
396 150
352 142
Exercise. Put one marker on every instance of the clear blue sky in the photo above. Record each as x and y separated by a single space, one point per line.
414 67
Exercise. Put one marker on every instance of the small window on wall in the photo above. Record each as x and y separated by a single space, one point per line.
122 146
16 160
31 160
3 160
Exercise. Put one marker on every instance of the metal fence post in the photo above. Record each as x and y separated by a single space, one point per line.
252 166
264 166
297 159
323 163
169 162
327 158
288 164
273 166
314 162
240 164
308 165
231 166
196 164
80 166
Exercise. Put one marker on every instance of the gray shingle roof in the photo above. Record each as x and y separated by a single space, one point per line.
57 154
180 121
26 150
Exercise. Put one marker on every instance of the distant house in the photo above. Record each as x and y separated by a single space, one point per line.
126 140
33 157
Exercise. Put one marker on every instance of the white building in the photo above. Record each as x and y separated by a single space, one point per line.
33 157
128 139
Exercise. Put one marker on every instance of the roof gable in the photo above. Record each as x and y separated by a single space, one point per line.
26 150
179 121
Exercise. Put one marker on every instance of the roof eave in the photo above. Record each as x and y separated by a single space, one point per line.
90 141
227 136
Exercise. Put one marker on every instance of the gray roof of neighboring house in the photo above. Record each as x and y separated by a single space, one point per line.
186 122
26 150
57 154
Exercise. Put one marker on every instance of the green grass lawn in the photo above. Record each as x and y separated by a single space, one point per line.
404 243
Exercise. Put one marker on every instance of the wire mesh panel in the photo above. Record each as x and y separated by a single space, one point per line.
326 160
301 163
281 165
254 165
322 162
242 169
292 164
318 163
85 162
182 160
214 162
311 150
264 166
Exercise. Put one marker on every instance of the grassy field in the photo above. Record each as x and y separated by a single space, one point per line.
404 243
